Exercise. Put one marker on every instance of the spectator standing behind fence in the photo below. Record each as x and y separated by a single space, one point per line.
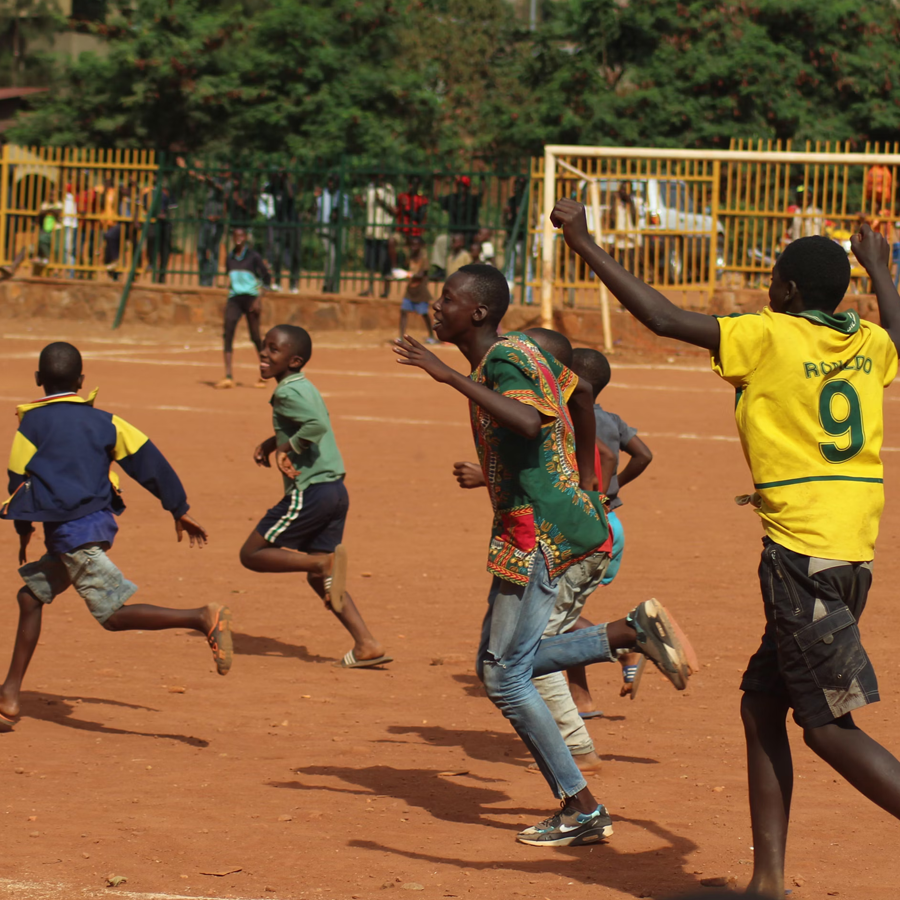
49 226
70 229
88 202
332 212
412 211
625 224
459 256
212 222
159 232
109 225
462 208
381 202
284 235
515 240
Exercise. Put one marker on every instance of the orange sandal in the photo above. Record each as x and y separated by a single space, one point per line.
219 638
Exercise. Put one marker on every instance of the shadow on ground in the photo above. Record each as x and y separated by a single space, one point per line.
65 711
655 873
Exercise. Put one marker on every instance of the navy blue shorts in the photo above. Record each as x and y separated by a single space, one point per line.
311 520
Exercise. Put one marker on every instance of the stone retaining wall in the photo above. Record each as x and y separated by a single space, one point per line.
163 306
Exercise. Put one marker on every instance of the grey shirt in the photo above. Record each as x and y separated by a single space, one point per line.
616 434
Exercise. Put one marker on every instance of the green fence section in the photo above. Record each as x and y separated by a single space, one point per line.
334 229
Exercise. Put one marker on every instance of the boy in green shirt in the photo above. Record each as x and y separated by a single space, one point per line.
310 517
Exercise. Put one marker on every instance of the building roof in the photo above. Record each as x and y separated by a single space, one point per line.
13 93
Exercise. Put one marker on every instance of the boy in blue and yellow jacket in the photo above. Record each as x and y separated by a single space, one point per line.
59 474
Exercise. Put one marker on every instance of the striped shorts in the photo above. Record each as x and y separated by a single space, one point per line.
311 520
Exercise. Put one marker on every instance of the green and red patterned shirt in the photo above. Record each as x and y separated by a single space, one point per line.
534 484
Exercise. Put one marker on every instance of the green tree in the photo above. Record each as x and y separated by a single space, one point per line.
315 79
676 73
27 32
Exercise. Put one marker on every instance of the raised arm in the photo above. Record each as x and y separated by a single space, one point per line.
645 303
506 411
873 251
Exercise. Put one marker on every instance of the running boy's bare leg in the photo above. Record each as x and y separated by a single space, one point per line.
403 317
29 630
770 775
259 555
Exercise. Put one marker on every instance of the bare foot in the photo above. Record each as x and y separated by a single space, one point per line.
584 702
368 649
9 706
588 762
765 887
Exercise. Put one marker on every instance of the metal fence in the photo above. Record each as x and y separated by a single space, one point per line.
683 220
694 220
83 213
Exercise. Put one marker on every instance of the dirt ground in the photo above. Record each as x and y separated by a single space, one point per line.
133 758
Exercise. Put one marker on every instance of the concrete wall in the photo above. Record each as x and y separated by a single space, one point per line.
164 306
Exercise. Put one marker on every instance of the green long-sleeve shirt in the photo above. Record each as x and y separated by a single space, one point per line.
301 418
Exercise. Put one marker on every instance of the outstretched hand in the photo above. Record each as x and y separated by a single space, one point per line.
23 546
195 531
569 215
412 353
468 475
871 248
262 453
283 461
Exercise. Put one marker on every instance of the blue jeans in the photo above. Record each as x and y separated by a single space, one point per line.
512 652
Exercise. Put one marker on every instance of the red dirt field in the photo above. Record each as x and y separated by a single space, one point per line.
312 782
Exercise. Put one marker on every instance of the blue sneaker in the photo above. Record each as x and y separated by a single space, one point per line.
569 828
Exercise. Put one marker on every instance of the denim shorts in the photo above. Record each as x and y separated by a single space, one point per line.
811 654
89 570
420 307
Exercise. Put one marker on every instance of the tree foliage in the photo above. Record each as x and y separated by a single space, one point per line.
401 79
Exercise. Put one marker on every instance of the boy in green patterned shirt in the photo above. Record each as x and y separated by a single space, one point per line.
303 532
533 423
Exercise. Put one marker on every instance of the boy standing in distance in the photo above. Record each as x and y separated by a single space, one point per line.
810 386
539 466
417 298
247 275
614 434
59 474
303 531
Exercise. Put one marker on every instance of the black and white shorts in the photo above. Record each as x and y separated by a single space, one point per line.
811 652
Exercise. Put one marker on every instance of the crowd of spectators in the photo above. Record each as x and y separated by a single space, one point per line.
358 237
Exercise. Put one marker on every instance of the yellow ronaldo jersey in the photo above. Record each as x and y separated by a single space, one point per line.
810 390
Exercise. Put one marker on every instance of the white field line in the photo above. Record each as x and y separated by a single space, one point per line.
25 890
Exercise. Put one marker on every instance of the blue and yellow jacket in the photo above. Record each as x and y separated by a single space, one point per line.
59 465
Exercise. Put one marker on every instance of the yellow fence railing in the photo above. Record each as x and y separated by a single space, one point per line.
61 206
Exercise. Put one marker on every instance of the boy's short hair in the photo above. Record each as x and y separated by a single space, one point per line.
299 339
490 287
552 342
820 269
59 365
592 366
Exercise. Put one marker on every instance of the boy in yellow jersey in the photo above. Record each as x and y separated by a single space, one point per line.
810 386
